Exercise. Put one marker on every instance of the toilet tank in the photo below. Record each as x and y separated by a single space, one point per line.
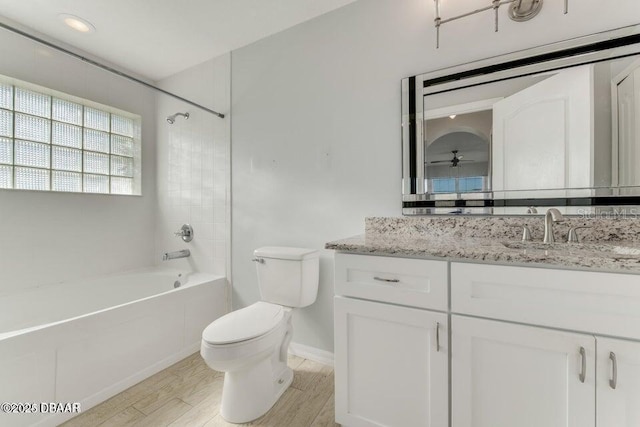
287 276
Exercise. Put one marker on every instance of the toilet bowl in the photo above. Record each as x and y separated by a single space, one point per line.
250 345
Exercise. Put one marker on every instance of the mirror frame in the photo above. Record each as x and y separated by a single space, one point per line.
608 45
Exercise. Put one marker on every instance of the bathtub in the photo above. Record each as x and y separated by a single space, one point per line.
84 341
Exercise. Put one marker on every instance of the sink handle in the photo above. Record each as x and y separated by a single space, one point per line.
526 232
572 237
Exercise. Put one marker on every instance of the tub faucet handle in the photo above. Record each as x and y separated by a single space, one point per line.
185 232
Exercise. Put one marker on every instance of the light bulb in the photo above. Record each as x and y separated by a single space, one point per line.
79 24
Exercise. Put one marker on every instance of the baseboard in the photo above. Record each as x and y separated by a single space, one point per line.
311 353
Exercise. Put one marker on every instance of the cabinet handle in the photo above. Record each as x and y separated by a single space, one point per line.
380 279
613 382
438 337
583 370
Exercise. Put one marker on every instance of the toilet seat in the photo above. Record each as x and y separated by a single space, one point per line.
245 324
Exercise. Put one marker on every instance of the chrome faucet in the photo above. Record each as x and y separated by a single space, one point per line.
185 232
177 254
552 215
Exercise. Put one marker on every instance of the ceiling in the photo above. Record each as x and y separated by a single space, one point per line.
157 38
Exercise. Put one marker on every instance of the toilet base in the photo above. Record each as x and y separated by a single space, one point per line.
249 394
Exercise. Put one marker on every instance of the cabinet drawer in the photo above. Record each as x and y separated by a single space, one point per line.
602 303
411 282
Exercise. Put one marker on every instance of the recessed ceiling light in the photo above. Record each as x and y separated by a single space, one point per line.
453 116
77 23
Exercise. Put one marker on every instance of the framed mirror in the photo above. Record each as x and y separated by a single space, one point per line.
557 125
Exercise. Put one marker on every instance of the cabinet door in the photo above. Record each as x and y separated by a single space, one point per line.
507 375
391 365
618 392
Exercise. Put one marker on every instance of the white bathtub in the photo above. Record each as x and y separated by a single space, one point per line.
88 340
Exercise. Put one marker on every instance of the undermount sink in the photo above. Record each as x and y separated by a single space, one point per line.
624 250
575 248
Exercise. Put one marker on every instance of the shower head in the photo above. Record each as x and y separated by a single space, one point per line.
172 118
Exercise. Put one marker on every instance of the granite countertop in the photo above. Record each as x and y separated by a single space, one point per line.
618 256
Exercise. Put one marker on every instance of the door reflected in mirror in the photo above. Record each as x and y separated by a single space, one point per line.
548 131
554 125
626 113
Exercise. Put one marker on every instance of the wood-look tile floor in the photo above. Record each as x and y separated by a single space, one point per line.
189 393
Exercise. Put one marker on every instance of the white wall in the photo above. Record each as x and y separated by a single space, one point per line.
193 167
316 121
50 237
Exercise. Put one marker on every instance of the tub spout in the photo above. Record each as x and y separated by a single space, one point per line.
177 254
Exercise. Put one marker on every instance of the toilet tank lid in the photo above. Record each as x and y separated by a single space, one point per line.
281 252
244 324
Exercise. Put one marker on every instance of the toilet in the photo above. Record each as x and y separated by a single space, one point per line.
250 345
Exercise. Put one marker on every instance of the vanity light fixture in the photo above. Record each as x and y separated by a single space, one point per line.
519 11
76 23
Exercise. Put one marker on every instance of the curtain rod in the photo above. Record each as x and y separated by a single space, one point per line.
105 67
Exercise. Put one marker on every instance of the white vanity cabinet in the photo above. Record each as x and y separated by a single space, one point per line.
437 343
391 361
506 375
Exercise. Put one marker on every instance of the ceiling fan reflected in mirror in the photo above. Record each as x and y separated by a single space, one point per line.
454 161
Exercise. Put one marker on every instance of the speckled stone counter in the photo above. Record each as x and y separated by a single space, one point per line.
610 245
600 229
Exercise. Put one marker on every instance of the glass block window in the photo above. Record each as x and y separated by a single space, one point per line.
67 181
6 151
50 141
6 96
6 176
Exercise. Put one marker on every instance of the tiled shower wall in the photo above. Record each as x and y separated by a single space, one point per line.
193 168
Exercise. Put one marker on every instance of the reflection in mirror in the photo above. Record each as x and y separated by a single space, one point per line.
472 110
626 113
457 152
557 125
546 131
